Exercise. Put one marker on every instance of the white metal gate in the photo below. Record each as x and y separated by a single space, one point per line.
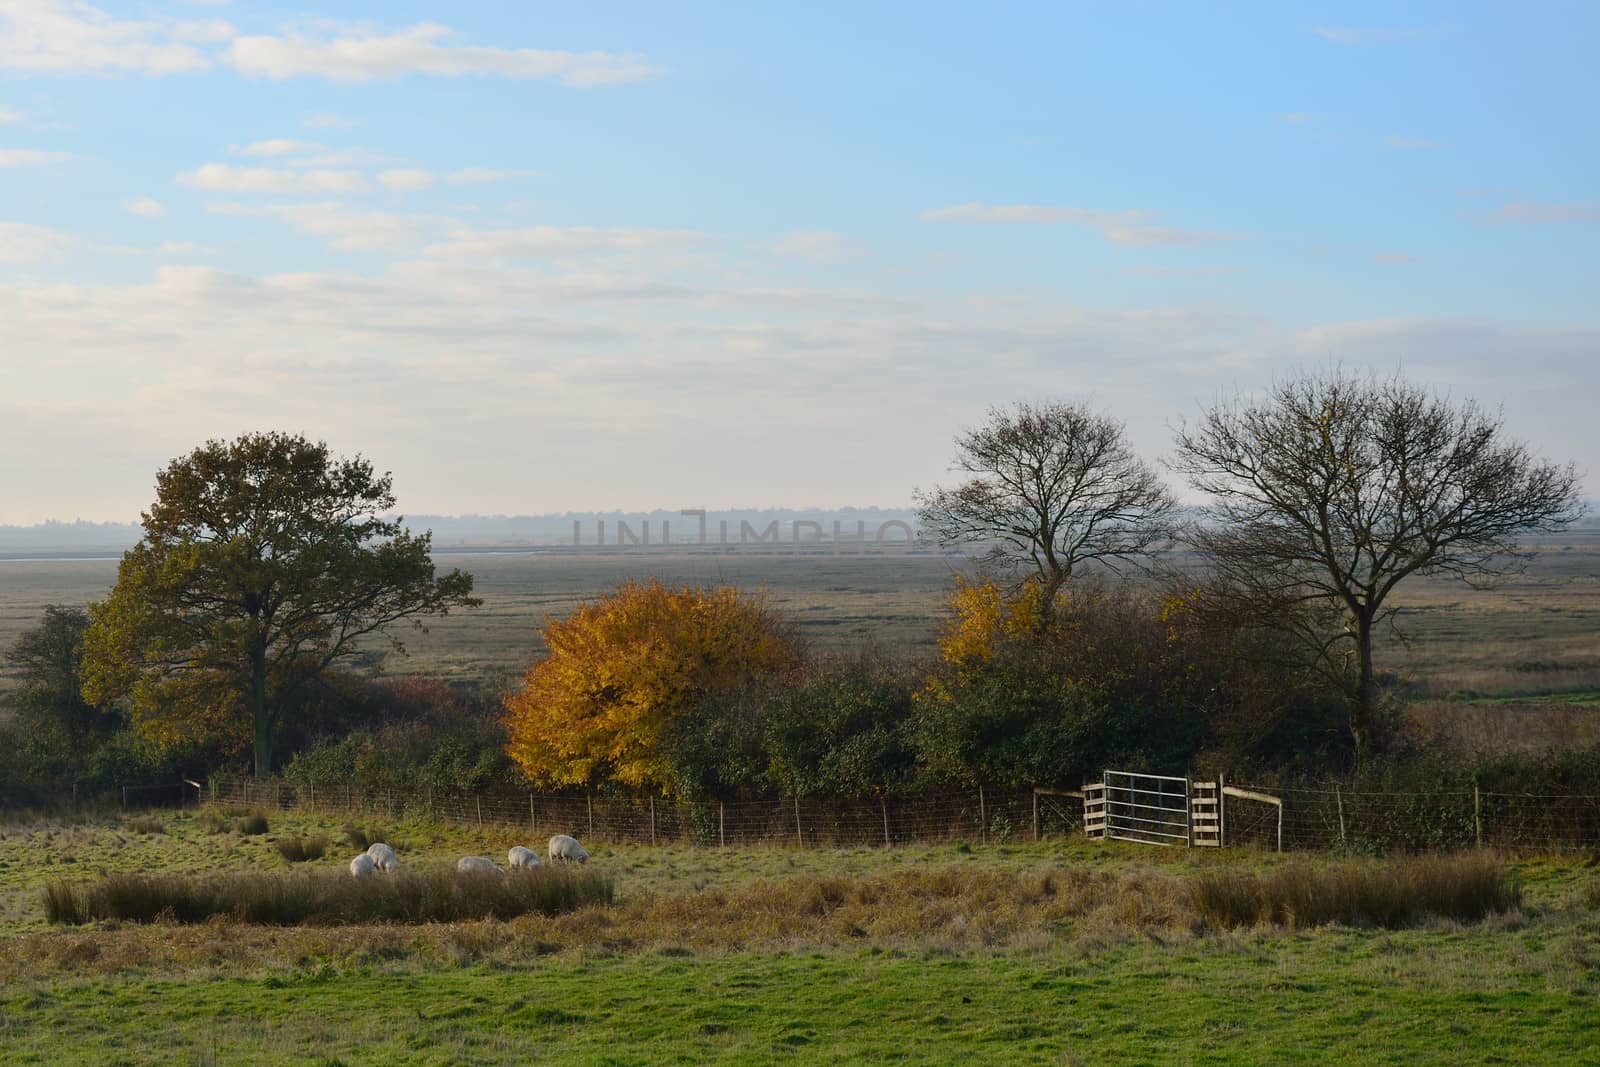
1149 808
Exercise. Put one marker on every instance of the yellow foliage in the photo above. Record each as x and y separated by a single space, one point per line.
621 668
984 616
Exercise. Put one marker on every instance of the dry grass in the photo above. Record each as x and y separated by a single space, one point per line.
301 849
1396 893
326 898
145 824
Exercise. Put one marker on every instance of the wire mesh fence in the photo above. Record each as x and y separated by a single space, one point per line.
1311 818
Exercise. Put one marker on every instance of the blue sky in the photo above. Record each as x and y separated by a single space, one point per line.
537 257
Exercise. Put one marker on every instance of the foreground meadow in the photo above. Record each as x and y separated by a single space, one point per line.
1061 952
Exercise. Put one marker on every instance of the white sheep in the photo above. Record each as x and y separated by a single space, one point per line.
383 856
520 857
362 866
478 865
567 850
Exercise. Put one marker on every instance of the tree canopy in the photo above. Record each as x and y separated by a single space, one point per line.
622 669
1053 485
264 561
1334 488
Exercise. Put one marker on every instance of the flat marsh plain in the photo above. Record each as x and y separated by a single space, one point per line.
1056 952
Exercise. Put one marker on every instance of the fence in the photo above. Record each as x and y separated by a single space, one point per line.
1308 818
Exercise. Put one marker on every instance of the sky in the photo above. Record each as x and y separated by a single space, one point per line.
535 257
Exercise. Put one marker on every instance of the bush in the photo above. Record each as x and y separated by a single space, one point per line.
1391 894
301 849
361 839
328 897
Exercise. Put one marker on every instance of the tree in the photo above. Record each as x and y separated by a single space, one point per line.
620 673
264 561
47 660
1055 485
1335 488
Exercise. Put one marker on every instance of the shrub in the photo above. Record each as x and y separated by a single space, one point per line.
145 824
328 897
213 821
1389 894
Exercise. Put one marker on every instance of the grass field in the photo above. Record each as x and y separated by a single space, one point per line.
1058 952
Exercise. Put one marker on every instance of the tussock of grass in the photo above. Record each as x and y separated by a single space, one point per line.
361 839
327 898
252 824
145 824
301 849
1395 893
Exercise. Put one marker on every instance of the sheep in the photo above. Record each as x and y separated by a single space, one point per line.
362 866
567 850
383 856
478 865
519 857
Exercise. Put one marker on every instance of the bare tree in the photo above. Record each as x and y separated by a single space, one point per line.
1334 488
1054 485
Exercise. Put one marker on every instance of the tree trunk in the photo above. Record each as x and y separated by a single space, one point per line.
1365 697
258 710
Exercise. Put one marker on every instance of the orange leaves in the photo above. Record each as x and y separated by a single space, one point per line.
984 616
622 668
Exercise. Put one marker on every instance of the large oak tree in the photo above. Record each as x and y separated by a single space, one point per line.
1334 488
264 561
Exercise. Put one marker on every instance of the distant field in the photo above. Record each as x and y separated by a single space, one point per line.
1535 636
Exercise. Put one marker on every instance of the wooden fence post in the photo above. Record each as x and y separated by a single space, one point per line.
124 798
478 803
652 821
1036 813
983 820
884 803
589 797
799 838
311 795
1338 799
722 833
533 818
1477 814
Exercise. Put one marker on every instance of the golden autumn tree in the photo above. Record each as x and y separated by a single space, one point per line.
622 668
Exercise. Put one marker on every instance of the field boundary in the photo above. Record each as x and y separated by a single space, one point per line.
1320 819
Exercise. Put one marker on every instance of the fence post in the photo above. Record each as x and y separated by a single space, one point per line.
1280 826
1036 813
311 795
1477 814
722 833
124 798
533 818
799 838
477 802
1222 811
1338 799
652 821
983 820
589 797
884 803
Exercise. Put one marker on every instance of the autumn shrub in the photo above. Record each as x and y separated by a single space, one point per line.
1392 893
252 824
328 897
302 849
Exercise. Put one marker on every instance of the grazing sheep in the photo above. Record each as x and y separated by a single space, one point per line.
383 856
478 865
567 850
520 857
362 866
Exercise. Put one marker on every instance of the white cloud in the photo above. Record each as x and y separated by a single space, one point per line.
1134 227
484 175
559 241
146 207
1531 213
407 180
278 147
815 246
356 54
221 177
61 35
179 248
7 116
21 242
29 157
348 231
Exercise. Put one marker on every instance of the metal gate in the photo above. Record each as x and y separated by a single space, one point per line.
1149 808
